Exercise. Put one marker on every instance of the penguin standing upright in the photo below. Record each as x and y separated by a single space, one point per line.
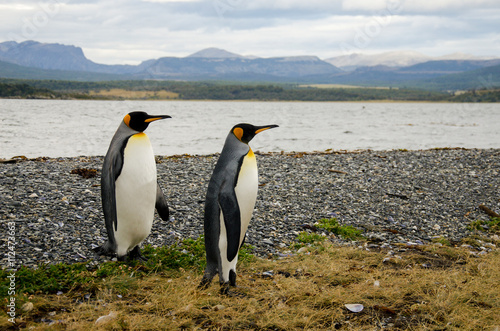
129 188
229 204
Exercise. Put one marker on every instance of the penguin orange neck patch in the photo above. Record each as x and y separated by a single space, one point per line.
250 153
126 120
238 132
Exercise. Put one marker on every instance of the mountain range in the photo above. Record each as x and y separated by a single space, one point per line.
394 59
35 60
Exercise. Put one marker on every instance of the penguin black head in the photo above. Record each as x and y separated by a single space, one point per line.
139 120
245 132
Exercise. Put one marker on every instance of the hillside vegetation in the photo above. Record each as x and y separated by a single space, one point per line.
173 90
25 91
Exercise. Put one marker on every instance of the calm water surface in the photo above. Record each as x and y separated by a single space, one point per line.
71 128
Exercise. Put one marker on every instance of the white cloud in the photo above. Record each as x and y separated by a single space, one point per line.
364 5
131 31
419 6
16 7
317 5
165 1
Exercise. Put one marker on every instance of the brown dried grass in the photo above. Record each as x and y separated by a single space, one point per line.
134 95
424 288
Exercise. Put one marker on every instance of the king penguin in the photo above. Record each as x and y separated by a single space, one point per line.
229 204
129 189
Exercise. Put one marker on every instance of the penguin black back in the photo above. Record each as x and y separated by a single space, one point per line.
230 200
131 193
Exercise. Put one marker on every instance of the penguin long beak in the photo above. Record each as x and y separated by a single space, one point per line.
265 127
152 118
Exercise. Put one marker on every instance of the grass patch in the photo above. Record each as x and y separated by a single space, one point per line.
442 240
491 226
305 238
333 226
188 254
52 279
309 238
434 287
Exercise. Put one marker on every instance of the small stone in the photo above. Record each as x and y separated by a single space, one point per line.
303 250
33 195
27 307
218 307
106 318
355 308
436 227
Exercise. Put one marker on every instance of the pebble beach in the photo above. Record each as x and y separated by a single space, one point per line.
394 197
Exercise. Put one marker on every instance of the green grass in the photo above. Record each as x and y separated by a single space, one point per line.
345 231
331 225
188 254
442 240
309 238
491 226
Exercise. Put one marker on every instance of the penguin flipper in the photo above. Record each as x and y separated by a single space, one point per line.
111 169
161 204
232 220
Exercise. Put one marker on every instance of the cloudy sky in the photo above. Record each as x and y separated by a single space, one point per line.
131 31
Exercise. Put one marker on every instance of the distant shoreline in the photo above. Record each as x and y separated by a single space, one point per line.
238 100
213 91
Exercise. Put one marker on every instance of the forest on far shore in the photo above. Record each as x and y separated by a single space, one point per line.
180 90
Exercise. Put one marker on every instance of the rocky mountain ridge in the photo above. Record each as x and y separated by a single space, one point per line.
34 60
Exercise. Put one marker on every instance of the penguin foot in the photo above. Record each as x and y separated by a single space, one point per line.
226 290
103 250
135 254
205 282
208 275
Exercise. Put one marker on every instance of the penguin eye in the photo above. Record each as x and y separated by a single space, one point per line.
238 132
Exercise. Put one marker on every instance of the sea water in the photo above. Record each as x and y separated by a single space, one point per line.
58 128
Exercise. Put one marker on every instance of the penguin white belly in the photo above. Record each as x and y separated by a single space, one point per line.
246 195
246 191
135 191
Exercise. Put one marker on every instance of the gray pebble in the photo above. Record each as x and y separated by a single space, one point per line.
393 196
